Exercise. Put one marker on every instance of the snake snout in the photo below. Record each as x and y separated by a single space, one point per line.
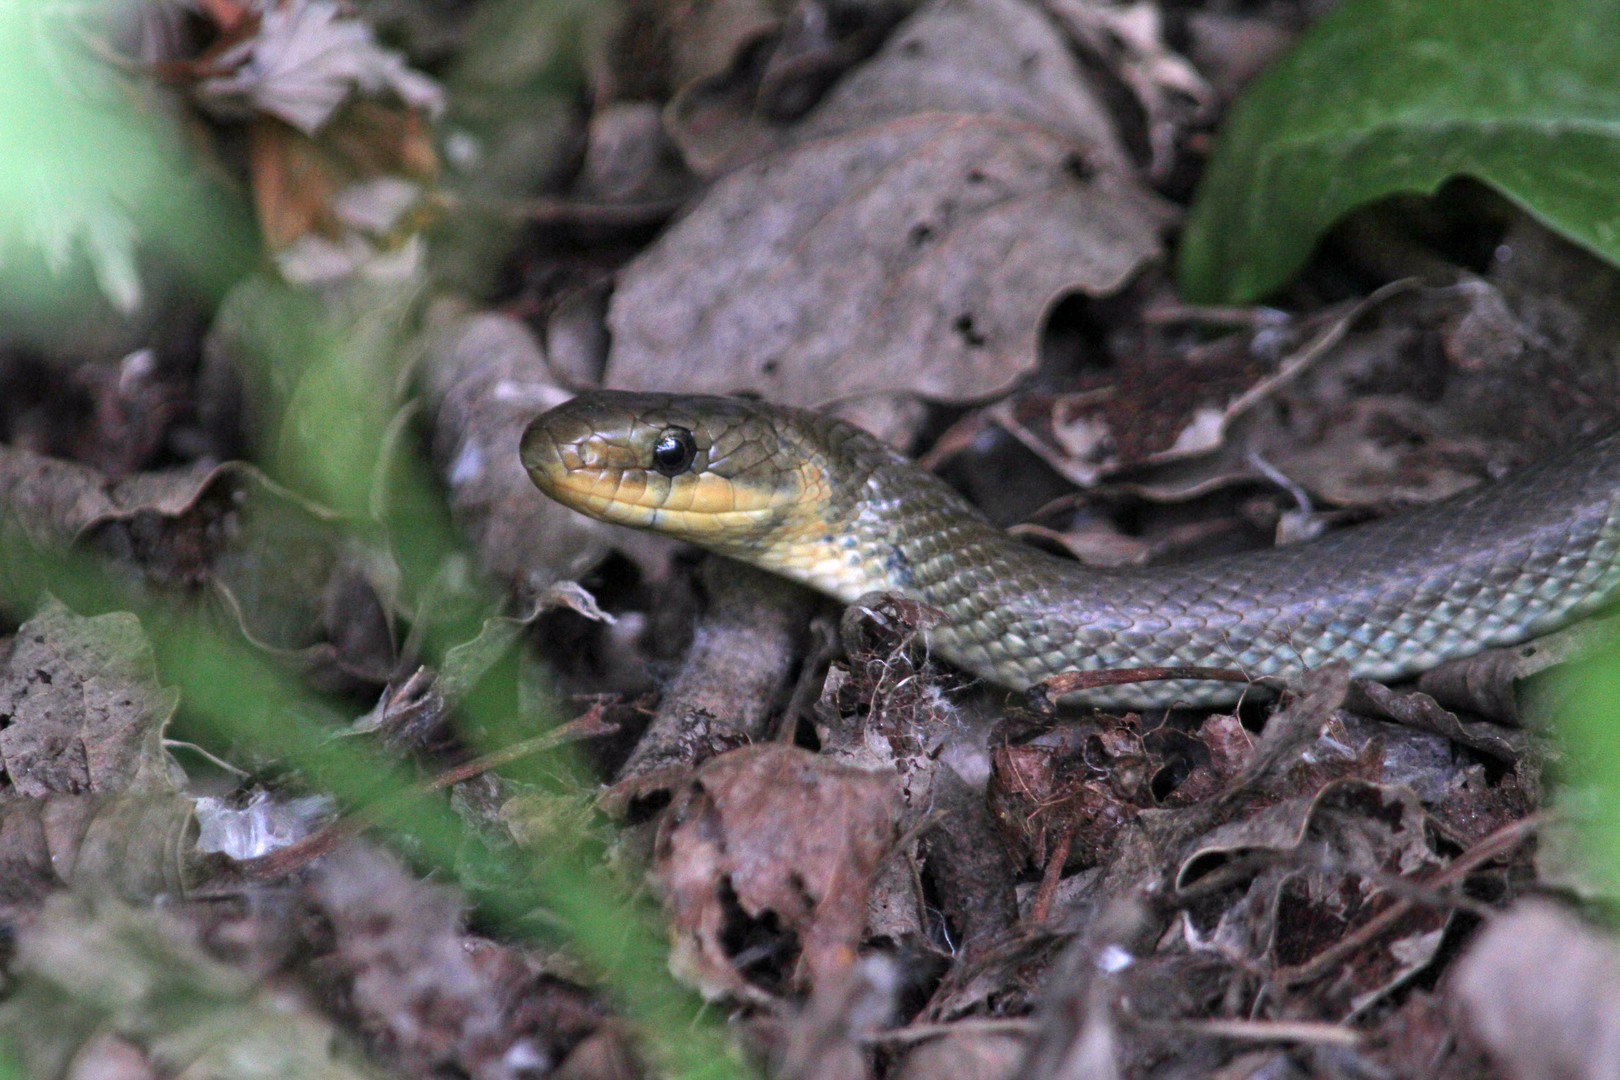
542 456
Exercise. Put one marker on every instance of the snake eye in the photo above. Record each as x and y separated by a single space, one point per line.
674 451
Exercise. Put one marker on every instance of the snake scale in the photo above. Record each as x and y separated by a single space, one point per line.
826 504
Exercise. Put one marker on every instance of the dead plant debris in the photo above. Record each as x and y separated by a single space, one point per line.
950 219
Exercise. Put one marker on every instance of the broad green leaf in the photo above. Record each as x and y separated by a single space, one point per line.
1589 727
1387 96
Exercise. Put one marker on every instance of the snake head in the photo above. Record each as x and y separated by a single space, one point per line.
721 472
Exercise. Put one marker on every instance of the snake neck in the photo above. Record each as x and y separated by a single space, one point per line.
861 535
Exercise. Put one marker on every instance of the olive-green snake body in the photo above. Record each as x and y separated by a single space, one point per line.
828 505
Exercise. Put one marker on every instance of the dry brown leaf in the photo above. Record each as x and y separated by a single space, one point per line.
1419 710
912 237
774 840
293 183
1070 790
1130 39
47 502
1230 747
705 37
778 69
1491 683
1337 844
137 846
81 707
91 800
1419 1039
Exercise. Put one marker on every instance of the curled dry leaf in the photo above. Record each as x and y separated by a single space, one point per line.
704 39
1418 710
1229 745
1390 400
1489 683
765 859
276 562
911 237
1174 410
722 117
1322 861
48 503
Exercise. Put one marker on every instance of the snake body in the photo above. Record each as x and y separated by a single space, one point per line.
826 504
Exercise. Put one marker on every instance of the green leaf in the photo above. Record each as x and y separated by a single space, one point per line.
1386 96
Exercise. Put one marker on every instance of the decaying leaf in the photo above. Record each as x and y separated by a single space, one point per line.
1490 683
1171 93
138 846
764 860
276 562
1420 711
1339 844
1070 790
705 38
773 64
305 60
1229 746
91 970
440 999
81 710
911 238
48 503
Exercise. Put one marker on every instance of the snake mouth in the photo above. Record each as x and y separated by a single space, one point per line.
588 474
606 477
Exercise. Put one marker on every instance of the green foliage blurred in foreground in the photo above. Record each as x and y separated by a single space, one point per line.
92 179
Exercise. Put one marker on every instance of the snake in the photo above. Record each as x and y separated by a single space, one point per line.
824 503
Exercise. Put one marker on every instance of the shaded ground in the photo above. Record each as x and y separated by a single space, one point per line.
949 222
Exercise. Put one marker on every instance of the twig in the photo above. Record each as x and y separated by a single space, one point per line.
1044 694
